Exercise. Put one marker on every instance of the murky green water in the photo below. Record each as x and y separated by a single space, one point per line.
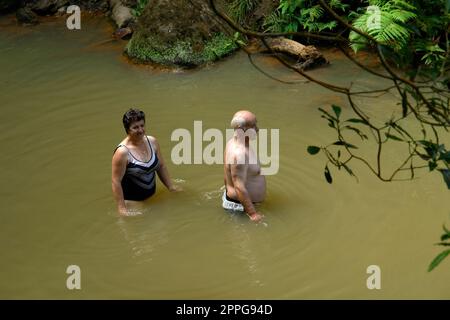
62 96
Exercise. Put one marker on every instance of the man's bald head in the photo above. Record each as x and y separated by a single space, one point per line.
243 119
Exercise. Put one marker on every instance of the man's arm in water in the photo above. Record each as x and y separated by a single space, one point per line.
119 166
239 176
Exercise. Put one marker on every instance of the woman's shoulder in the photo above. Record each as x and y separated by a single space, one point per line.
153 141
121 149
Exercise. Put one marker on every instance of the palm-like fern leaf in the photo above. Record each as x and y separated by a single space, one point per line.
385 23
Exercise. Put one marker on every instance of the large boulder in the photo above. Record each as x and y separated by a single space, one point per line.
181 33
120 13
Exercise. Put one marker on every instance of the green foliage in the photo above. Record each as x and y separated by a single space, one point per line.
149 49
412 32
240 9
296 15
441 256
340 153
385 21
433 153
274 22
220 46
140 6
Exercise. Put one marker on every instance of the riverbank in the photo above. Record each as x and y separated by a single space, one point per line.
91 20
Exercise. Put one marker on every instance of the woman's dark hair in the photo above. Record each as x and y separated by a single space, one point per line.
131 116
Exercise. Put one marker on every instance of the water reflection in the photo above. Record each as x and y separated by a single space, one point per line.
145 233
238 231
244 245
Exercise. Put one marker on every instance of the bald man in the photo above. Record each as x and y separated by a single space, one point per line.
244 183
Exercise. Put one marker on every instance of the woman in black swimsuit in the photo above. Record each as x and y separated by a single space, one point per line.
135 161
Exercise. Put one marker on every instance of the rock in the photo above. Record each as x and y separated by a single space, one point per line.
92 5
180 33
61 11
8 5
130 3
26 16
123 33
47 7
120 14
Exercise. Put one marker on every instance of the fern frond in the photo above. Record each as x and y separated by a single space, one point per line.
404 4
357 42
314 13
386 27
329 25
337 4
402 15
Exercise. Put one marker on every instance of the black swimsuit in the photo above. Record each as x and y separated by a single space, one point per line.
139 181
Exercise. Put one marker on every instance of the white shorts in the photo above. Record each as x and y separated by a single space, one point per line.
230 205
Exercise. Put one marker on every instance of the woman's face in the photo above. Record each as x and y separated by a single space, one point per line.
137 129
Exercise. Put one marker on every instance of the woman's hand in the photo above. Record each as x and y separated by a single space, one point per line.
175 188
123 211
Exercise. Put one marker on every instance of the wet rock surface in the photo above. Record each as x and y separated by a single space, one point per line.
180 33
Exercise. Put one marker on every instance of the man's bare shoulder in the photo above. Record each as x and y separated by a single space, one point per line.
235 154
235 148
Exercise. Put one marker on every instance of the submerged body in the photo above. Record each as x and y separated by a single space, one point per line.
139 180
244 184
135 161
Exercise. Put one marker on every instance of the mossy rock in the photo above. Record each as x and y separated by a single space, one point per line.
180 33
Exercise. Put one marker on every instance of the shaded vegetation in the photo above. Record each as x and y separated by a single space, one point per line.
180 52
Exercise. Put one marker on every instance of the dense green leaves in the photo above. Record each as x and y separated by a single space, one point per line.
140 6
385 22
299 15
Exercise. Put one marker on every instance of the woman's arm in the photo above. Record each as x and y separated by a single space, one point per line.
119 166
162 171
